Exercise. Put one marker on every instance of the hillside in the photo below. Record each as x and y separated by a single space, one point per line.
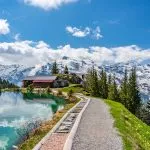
135 134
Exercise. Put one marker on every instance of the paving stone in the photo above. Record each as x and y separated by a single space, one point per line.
55 142
63 131
63 127
67 123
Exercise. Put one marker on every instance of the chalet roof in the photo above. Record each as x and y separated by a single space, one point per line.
43 81
40 78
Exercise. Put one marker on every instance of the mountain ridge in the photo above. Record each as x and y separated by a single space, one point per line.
16 73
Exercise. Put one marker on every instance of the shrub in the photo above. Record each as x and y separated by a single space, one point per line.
30 88
17 89
59 92
73 99
48 90
86 93
70 93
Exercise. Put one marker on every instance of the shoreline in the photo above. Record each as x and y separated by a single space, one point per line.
37 134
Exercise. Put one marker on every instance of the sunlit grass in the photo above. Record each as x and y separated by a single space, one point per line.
135 133
76 88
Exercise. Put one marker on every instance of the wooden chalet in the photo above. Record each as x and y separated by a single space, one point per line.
44 82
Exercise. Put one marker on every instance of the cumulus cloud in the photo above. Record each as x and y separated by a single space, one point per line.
131 53
4 27
78 32
48 4
32 53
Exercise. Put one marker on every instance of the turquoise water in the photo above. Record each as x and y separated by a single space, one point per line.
15 113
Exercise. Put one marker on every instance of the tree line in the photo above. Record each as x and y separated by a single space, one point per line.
55 69
65 74
6 84
105 86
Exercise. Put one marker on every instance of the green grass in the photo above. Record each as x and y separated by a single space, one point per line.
77 88
11 90
135 133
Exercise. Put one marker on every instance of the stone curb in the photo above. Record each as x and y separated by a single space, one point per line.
44 139
69 141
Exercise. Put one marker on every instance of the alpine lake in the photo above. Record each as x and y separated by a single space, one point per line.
18 111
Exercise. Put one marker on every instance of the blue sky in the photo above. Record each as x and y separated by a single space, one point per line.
122 23
103 23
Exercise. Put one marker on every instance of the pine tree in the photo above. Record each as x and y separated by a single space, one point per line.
55 69
124 96
113 93
109 85
145 113
147 117
134 94
148 105
66 71
92 82
103 85
116 91
109 79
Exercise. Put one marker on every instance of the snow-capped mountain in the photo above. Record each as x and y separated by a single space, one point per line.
16 73
143 74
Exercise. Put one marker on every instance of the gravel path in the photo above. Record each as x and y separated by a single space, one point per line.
96 131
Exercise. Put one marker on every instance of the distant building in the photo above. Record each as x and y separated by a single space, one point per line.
45 81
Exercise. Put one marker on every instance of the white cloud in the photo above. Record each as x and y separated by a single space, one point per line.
41 45
4 27
48 4
17 37
129 53
97 33
32 53
78 32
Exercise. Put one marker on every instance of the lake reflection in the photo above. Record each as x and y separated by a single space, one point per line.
15 112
